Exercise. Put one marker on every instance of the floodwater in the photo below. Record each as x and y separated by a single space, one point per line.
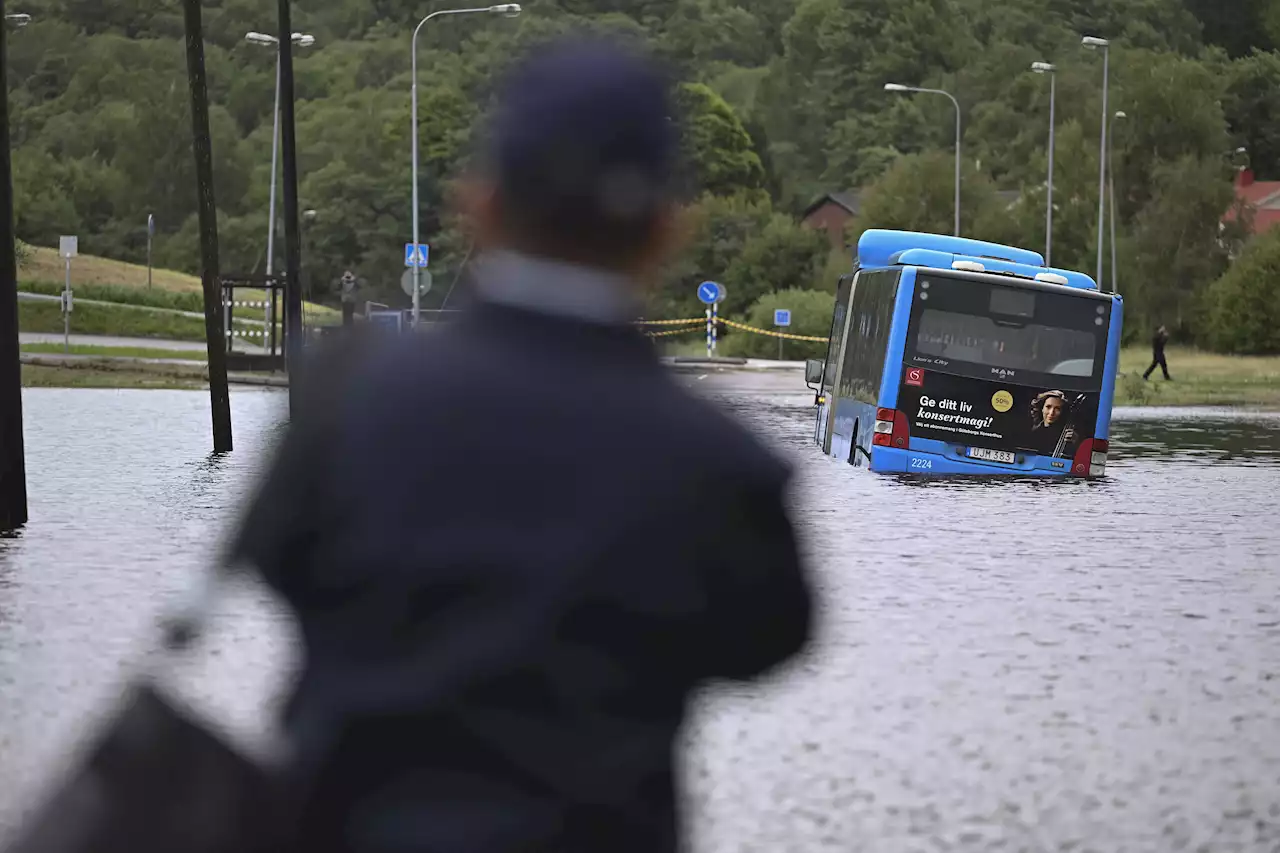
1015 666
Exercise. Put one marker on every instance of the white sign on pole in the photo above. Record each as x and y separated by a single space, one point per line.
67 247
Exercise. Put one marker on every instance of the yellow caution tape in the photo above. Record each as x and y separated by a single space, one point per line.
698 323
671 322
675 332
754 330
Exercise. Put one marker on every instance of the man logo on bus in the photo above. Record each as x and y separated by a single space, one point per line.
915 376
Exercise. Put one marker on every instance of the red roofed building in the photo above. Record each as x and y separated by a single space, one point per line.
1262 196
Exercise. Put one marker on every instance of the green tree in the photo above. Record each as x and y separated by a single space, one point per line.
716 144
810 317
780 255
1244 304
1251 110
1177 245
918 194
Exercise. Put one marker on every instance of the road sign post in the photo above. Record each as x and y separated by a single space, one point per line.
68 248
782 319
348 299
151 235
416 258
711 294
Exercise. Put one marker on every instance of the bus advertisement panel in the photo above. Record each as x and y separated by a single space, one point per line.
1000 417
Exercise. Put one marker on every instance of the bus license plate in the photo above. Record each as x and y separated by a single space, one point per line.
991 455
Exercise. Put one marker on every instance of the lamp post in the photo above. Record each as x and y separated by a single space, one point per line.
898 87
301 40
506 10
1052 71
1092 43
1111 177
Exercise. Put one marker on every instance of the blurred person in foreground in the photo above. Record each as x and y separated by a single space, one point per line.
507 606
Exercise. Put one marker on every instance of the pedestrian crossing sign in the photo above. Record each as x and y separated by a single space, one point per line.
416 258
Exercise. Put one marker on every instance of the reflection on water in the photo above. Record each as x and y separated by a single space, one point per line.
1215 435
1016 665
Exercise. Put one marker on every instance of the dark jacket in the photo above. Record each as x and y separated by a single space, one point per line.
1158 340
515 546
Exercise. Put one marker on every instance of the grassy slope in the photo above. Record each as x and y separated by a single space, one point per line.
1200 379
110 320
112 280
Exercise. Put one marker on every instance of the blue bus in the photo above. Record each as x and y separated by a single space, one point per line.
957 356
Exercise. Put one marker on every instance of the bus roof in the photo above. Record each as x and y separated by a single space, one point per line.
882 248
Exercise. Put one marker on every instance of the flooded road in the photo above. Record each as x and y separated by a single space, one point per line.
1000 666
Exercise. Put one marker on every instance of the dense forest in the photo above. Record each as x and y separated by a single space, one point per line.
783 101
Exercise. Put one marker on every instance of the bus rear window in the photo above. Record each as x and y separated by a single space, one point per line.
975 328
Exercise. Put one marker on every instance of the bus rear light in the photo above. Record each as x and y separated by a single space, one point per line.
891 429
1098 457
1091 458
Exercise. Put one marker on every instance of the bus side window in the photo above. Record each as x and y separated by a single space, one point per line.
872 310
843 290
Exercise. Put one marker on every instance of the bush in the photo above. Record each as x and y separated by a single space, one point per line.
810 315
1244 304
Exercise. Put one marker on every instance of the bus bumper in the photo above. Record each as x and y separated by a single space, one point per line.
931 462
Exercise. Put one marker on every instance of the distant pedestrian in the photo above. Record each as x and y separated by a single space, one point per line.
516 545
1158 340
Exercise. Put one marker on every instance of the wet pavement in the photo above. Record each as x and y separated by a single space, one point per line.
1000 665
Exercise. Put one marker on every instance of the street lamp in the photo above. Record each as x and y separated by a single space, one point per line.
1092 43
1052 71
1111 176
506 10
266 40
898 87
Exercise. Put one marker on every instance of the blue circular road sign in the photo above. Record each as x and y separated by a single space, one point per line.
709 293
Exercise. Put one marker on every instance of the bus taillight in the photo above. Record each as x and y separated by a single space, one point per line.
1091 458
891 429
1098 462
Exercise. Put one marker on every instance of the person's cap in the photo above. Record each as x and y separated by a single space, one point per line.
584 133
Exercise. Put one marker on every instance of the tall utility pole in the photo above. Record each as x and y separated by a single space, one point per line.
1052 71
1094 43
202 144
292 243
13 469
